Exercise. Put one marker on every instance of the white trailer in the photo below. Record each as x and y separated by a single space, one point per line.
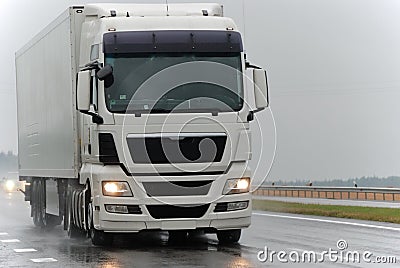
135 117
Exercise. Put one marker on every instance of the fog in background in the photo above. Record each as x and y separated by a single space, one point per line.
334 76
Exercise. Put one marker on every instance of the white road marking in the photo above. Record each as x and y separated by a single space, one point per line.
44 260
3 233
10 241
24 250
329 221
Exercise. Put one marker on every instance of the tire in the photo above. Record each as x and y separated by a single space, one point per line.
72 230
229 236
38 203
46 220
35 217
79 209
100 238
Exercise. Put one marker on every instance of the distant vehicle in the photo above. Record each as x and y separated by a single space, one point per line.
10 185
106 159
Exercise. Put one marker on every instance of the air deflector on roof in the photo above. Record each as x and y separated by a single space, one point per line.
172 41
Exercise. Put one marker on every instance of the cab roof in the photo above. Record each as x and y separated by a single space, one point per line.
153 10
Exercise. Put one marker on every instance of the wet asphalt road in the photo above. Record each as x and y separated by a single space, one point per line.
273 230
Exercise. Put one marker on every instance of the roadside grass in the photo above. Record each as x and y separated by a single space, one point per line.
350 212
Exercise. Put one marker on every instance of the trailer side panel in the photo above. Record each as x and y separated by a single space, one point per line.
47 119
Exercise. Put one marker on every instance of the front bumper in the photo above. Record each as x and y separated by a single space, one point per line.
136 223
115 222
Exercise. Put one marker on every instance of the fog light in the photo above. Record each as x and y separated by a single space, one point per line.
117 209
237 205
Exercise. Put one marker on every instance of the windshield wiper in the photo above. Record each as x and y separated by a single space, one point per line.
160 111
139 112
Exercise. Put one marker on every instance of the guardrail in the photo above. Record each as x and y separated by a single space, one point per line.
351 193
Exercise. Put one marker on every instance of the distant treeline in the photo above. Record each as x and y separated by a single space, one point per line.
392 181
8 164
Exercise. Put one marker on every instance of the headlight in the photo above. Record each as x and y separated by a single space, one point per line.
116 188
237 186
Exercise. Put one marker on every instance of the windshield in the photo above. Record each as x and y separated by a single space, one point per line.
198 93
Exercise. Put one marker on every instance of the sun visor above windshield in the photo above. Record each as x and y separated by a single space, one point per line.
172 41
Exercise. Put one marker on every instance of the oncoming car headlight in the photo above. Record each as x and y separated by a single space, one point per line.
10 185
116 188
237 186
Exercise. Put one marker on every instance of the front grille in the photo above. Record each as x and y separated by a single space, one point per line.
177 149
177 188
177 212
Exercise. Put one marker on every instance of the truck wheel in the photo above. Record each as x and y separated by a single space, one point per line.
37 204
100 238
33 204
45 220
72 230
229 236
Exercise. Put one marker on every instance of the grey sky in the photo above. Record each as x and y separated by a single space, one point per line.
334 79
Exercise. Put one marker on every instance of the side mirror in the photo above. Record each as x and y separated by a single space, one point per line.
104 72
260 88
83 91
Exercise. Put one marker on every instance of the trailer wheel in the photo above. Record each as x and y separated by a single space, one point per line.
40 217
41 202
34 205
229 236
46 220
38 203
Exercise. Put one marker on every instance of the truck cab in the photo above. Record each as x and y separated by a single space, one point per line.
164 97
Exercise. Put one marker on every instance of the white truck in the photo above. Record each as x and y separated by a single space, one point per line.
135 117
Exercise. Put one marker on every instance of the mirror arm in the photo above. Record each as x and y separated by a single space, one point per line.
250 116
249 65
258 110
95 65
97 119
